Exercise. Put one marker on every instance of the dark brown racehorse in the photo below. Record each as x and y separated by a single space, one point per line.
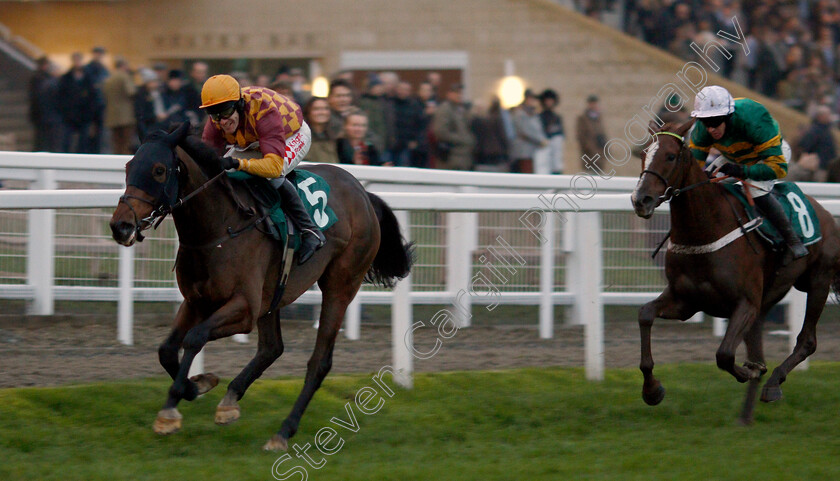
738 281
227 268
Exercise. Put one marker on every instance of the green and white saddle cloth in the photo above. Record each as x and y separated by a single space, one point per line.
797 207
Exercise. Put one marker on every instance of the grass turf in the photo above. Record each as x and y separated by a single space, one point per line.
522 424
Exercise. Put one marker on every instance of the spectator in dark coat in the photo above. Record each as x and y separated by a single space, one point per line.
491 146
426 96
97 72
36 101
408 115
50 112
177 100
818 141
353 146
148 104
591 134
78 104
380 112
553 127
341 101
451 127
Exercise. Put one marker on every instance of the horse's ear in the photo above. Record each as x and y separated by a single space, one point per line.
685 127
176 136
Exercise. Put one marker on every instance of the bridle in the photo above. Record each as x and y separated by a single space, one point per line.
671 191
162 206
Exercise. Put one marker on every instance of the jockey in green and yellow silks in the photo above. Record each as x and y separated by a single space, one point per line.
751 147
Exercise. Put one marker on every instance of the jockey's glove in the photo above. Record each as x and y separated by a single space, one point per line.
229 163
734 170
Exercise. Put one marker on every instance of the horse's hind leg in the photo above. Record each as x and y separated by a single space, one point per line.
337 294
270 348
665 306
755 362
806 342
741 322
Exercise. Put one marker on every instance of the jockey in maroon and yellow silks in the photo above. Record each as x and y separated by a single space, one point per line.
242 116
269 118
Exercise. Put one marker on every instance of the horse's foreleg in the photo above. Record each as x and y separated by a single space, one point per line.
806 343
332 314
741 321
663 306
233 312
168 350
270 348
755 363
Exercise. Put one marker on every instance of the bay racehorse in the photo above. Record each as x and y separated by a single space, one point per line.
227 268
740 280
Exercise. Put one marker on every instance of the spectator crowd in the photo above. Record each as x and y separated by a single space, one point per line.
92 108
794 56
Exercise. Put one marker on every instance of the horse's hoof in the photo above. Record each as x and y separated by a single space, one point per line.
771 393
756 369
227 414
276 443
205 382
168 421
745 421
654 398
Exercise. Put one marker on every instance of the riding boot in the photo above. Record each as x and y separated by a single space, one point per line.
311 237
772 209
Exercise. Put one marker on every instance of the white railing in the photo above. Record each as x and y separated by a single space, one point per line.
461 195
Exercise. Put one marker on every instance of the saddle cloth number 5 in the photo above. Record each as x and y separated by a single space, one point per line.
320 217
801 209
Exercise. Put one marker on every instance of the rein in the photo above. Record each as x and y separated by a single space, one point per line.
671 191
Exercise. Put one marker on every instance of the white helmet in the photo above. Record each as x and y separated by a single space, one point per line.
713 101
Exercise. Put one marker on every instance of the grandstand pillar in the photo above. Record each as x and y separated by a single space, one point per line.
40 251
796 307
125 304
401 321
589 307
547 278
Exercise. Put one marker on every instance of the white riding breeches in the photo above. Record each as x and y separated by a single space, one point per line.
757 188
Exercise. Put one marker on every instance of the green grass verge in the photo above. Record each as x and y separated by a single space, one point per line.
525 424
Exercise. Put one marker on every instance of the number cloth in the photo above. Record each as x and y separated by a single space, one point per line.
273 120
313 190
752 138
799 210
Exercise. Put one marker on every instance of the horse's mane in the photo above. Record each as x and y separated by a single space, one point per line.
204 155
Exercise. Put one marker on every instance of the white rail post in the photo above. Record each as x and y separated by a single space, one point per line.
719 326
401 321
572 264
797 305
125 304
547 278
40 251
460 228
353 319
588 303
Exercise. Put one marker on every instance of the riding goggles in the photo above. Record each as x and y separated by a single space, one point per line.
223 114
713 122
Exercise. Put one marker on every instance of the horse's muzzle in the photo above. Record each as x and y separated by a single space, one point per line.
644 205
125 233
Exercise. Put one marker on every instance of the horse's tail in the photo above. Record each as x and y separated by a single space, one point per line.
835 282
395 256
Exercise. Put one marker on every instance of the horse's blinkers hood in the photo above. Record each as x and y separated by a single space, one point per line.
163 185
